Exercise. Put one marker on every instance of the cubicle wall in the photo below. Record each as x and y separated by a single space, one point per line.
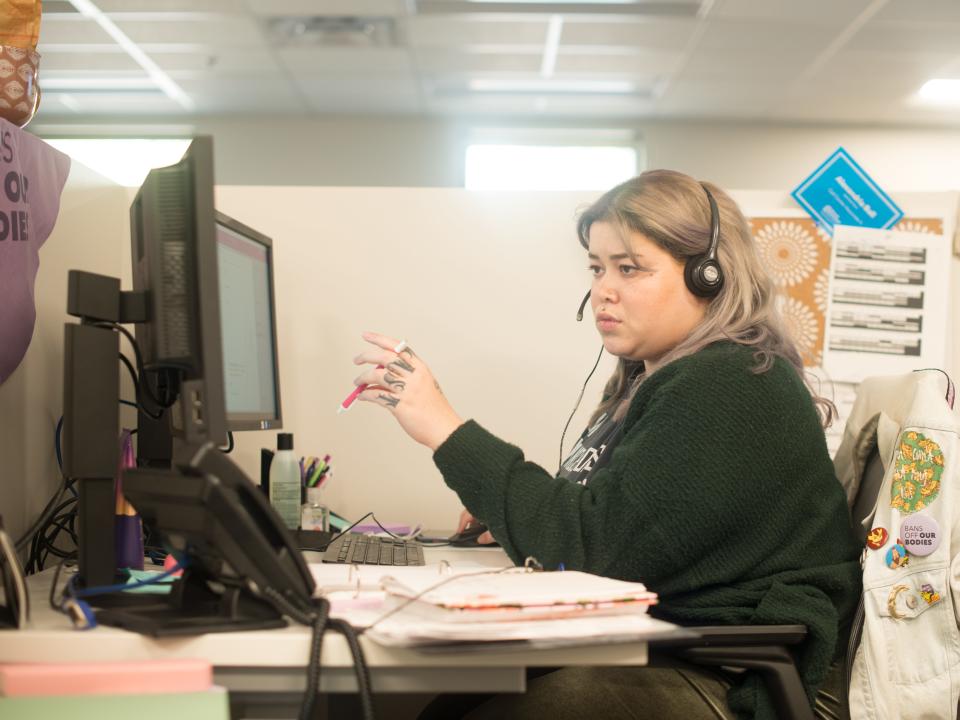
484 286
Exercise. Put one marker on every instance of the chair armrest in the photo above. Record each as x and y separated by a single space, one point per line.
737 636
761 648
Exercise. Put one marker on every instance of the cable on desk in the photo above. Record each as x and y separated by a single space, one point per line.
44 540
412 535
318 618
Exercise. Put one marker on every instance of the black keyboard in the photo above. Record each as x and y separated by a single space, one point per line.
373 550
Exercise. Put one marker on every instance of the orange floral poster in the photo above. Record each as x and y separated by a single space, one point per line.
796 253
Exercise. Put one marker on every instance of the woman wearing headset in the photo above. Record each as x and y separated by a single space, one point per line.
703 473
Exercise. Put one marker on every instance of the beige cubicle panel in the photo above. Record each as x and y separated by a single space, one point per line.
484 287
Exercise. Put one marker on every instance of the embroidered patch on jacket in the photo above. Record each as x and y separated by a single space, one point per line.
916 476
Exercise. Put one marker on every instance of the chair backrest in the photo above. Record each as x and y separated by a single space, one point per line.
866 497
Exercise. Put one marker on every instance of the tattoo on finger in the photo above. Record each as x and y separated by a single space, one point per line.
395 383
399 364
409 352
389 400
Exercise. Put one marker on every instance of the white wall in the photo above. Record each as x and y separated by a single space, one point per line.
414 152
91 230
484 287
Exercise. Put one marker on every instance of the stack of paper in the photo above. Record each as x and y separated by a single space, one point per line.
593 630
518 595
480 606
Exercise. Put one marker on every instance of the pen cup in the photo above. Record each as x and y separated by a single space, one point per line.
315 514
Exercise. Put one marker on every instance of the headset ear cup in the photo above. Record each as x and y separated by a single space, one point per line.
703 276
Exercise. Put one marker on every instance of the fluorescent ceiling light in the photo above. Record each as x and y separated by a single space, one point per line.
551 46
164 81
944 91
575 87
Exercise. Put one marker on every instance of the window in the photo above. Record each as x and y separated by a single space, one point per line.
126 161
557 160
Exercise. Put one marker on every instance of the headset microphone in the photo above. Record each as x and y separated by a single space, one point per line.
582 306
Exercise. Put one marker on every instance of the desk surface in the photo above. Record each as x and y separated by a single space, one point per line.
269 661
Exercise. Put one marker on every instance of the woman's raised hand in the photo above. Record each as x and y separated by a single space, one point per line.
405 386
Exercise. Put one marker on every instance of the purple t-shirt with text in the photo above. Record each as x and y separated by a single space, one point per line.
32 176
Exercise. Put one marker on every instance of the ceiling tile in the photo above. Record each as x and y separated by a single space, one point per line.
908 11
837 13
70 29
217 28
305 8
113 7
346 62
341 95
921 35
640 61
93 63
766 36
450 31
436 60
670 34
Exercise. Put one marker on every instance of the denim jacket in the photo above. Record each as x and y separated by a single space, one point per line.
908 662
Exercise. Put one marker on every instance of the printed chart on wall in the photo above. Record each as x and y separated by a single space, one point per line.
888 303
798 255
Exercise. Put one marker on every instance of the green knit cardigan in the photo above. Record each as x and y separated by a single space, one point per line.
720 496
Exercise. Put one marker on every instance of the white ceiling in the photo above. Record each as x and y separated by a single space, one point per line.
770 60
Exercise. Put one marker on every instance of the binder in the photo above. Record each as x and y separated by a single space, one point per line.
435 607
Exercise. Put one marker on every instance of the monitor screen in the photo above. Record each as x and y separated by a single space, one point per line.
248 328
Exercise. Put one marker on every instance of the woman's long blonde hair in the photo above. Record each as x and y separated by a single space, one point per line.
671 209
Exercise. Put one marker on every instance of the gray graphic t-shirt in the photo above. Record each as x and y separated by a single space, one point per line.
593 449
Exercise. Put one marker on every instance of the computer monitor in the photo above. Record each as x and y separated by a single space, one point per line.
208 339
248 326
174 256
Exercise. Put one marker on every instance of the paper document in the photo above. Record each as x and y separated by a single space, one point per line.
399 631
517 588
887 310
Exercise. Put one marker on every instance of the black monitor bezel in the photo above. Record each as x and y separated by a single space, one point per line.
202 412
254 421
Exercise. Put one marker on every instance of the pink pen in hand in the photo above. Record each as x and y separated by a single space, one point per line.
349 400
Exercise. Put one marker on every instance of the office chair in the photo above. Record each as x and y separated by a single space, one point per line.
767 649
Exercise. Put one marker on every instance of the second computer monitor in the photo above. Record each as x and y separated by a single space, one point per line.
248 326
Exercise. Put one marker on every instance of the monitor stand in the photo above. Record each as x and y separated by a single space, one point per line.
192 608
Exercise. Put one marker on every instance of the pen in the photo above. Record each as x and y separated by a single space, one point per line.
349 400
314 476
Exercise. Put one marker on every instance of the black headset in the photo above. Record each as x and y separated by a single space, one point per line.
702 273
